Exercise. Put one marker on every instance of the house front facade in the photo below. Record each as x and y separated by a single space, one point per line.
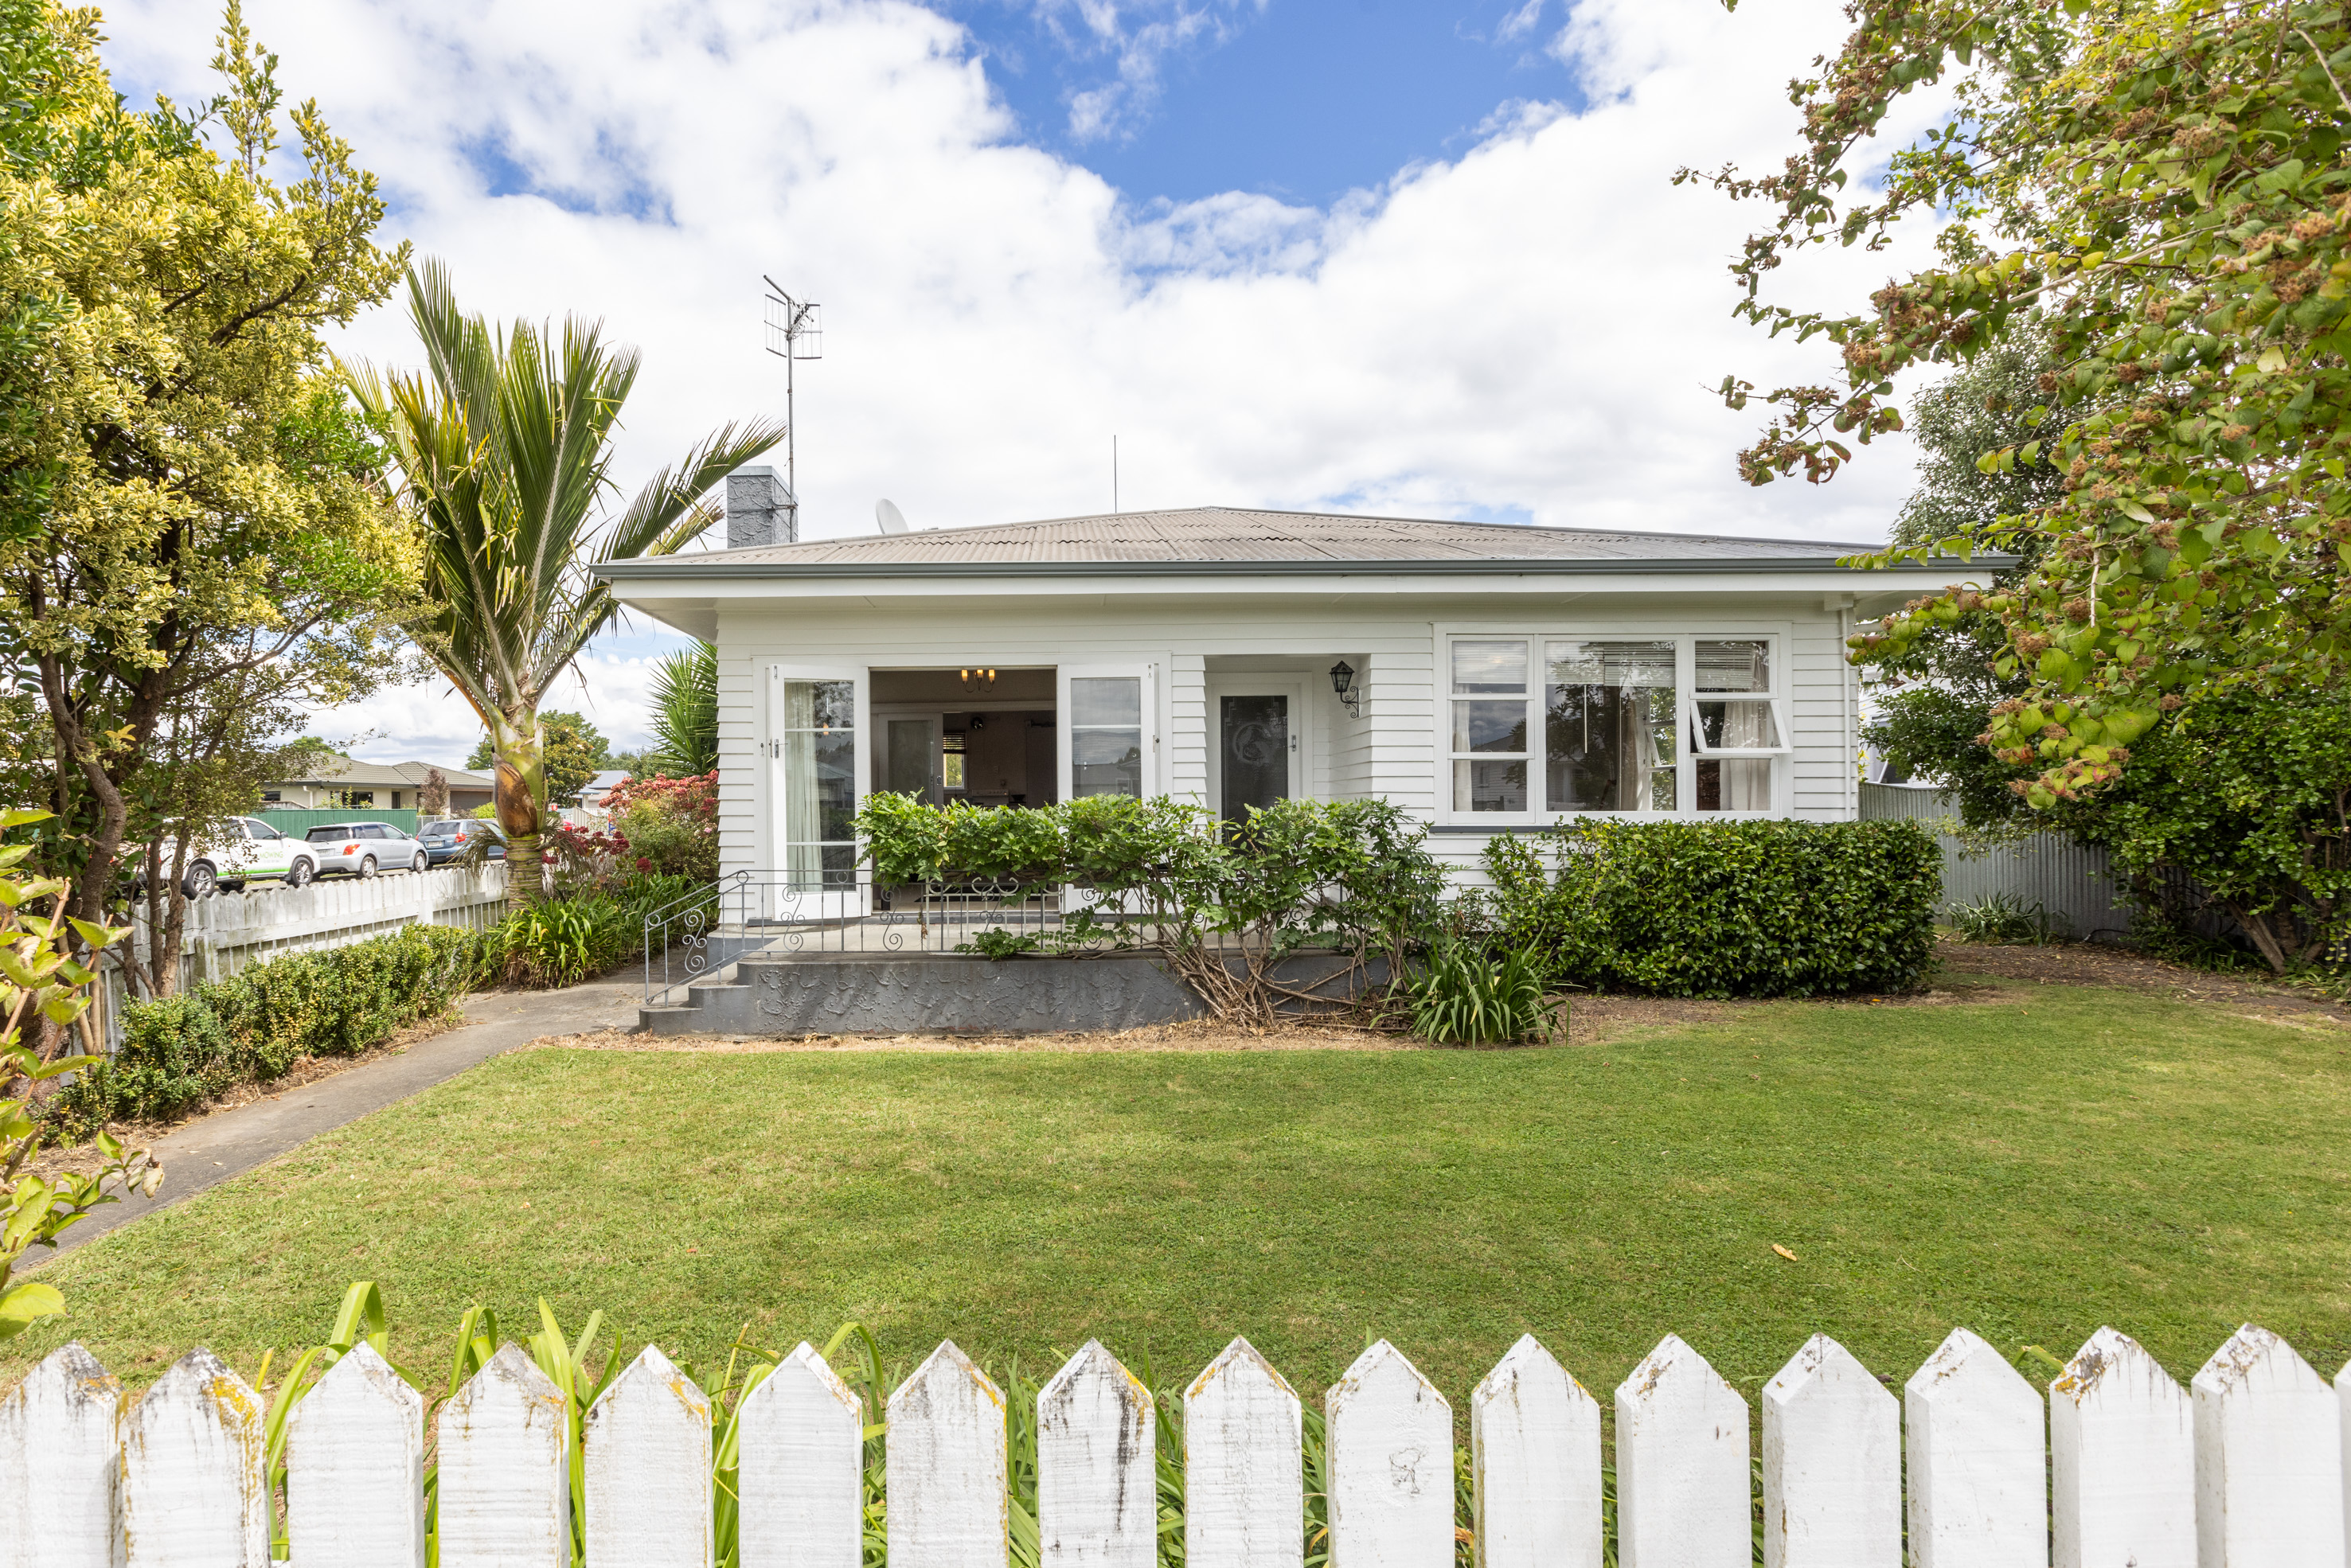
1484 678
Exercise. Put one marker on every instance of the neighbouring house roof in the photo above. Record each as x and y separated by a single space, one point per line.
609 779
1239 539
343 773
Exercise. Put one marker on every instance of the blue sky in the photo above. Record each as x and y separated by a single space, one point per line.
1299 100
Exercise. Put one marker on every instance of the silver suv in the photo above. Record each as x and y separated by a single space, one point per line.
363 848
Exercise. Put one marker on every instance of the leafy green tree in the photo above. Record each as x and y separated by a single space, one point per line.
2249 795
1933 704
686 711
2166 181
503 446
575 752
190 528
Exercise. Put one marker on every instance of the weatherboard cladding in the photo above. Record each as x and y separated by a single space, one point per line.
1196 535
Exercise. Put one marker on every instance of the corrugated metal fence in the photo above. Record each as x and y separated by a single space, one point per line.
2062 876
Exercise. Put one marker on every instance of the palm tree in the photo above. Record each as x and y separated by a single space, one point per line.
503 444
685 710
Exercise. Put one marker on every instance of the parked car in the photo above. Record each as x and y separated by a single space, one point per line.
445 838
363 848
244 850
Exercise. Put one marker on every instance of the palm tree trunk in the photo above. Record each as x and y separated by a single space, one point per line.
521 773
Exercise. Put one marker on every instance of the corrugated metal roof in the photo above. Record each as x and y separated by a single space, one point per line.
1204 534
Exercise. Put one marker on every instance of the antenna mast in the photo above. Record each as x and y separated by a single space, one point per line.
795 331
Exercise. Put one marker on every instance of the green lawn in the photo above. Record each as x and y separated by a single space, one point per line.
2031 1169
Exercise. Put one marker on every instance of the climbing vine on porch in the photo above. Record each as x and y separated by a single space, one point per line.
1222 903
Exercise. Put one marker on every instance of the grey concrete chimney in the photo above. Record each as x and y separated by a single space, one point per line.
760 509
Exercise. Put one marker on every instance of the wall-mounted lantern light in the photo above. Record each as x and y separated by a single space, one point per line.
1343 681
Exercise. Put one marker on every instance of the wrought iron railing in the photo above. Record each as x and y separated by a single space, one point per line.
698 936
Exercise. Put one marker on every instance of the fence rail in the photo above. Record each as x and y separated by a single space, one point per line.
228 931
2243 1469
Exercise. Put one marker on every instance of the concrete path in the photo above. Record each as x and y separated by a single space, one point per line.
213 1148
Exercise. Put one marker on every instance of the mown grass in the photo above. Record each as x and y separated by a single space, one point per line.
2031 1168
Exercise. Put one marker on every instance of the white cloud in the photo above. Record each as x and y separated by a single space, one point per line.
1139 36
1530 330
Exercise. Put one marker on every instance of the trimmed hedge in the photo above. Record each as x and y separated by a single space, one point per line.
180 1051
1719 909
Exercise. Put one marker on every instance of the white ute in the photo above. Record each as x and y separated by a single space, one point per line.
246 849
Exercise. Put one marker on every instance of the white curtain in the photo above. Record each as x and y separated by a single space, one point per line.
803 854
1747 780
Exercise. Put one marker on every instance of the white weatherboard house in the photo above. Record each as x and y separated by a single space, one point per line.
1497 677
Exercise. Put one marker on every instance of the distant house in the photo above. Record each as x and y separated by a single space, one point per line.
592 793
343 784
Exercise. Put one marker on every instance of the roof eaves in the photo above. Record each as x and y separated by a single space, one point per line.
676 569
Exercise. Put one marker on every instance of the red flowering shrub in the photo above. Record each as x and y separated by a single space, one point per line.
672 824
588 855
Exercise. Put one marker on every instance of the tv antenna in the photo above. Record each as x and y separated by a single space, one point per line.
795 331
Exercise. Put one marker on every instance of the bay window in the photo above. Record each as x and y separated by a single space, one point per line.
1542 727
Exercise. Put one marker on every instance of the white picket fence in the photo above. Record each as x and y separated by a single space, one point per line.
2245 1468
228 931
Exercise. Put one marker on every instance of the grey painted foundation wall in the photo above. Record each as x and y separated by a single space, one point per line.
891 993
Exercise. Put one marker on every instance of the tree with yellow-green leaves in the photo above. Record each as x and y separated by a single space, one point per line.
193 525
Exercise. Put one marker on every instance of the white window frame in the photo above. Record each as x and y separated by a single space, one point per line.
1684 634
1065 711
1776 699
771 786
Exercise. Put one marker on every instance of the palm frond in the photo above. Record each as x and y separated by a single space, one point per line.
504 445
685 710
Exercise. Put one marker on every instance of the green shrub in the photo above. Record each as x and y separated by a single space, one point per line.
584 933
1466 996
1221 902
1718 909
180 1051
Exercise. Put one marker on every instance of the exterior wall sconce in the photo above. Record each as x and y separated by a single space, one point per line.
1343 681
978 680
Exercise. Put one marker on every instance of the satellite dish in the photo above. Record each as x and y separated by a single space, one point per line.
887 515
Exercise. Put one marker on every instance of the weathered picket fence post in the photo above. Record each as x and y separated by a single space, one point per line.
645 1469
1534 1460
1979 1460
1832 1464
1391 1453
60 1456
2343 1398
2269 1458
193 1492
1097 1476
1682 1493
800 1471
2122 1459
1244 1490
355 1468
505 1494
946 1466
